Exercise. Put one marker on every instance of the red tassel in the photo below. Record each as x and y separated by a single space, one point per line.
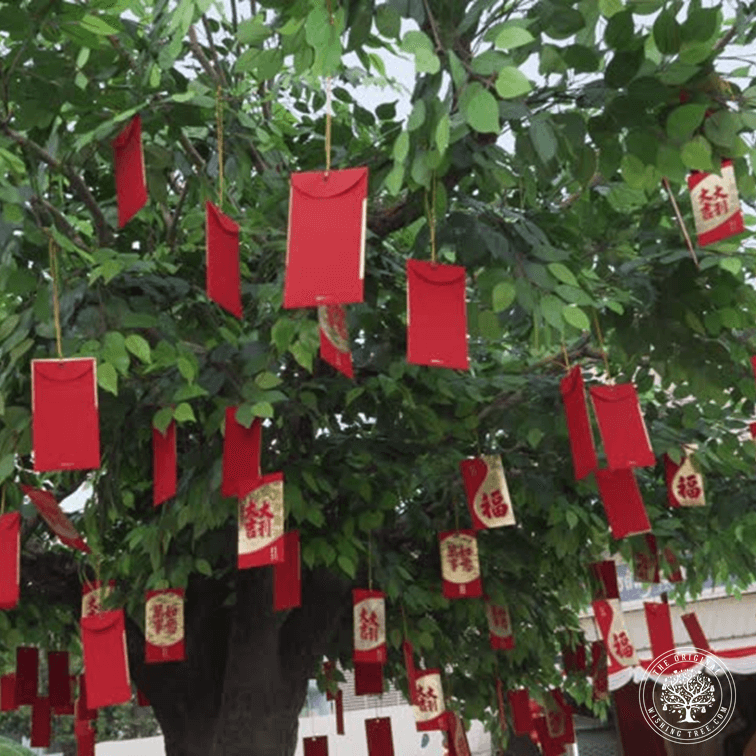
316 746
164 626
103 638
59 679
369 614
659 624
646 562
379 739
223 281
693 627
241 452
83 712
41 723
131 187
261 521
8 692
519 703
10 560
622 502
27 672
605 573
334 339
287 575
578 423
460 566
340 713
163 464
599 671
368 679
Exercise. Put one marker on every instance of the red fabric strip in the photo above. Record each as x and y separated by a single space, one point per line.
605 575
223 281
379 739
241 452
622 502
8 692
578 423
340 713
693 626
59 679
317 746
68 710
103 638
368 679
163 464
41 725
519 703
574 660
10 560
142 699
131 187
27 672
287 575
85 738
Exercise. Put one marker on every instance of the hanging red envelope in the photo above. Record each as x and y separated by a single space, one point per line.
675 576
558 715
83 711
519 703
164 626
499 627
339 705
58 679
85 738
325 253
605 576
27 673
436 315
549 746
369 614
103 638
131 186
622 502
334 338
500 705
93 597
659 623
379 739
579 429
316 746
599 671
10 560
619 648
261 521
574 659
458 745
623 431
409 665
68 709
287 575
716 205
368 678
163 464
695 631
65 417
487 492
223 281
685 486
646 561
41 724
241 452
8 692
460 566
55 517
429 707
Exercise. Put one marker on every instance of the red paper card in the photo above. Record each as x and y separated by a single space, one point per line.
622 502
623 430
164 626
163 464
334 338
261 521
695 631
340 712
8 693
83 712
605 575
41 724
436 315
659 622
222 258
85 738
65 417
685 486
67 710
287 575
10 560
325 257
519 703
429 706
27 672
93 596
316 746
379 739
487 492
458 745
460 566
59 679
56 518
619 648
103 639
646 561
499 627
368 678
578 423
241 452
599 671
369 614
716 205
131 186
409 665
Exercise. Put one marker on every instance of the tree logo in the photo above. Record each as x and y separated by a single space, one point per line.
687 695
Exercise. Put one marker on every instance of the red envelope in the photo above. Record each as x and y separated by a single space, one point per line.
579 429
93 596
287 575
487 492
241 452
646 561
83 711
325 253
59 679
131 186
103 639
622 502
559 721
8 693
611 622
56 518
599 671
334 338
574 660
716 205
67 710
222 258
436 315
460 565
41 723
428 705
458 745
500 634
85 738
605 574
27 673
519 703
316 746
163 464
379 739
261 522
164 626
549 746
369 615
659 624
695 631
340 713
65 418
368 678
10 560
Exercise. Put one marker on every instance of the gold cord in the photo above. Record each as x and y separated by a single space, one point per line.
219 124
53 249
601 343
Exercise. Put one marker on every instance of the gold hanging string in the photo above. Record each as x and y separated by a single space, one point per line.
430 211
328 106
681 221
219 125
456 515
566 357
52 248
601 343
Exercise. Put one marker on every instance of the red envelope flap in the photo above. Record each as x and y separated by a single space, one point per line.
614 393
436 273
102 622
10 521
314 184
572 381
251 484
132 131
221 219
63 370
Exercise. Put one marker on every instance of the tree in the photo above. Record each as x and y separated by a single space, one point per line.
686 693
549 192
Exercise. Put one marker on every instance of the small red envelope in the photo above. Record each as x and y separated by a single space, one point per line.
103 638
10 560
261 521
241 452
222 260
163 464
287 575
164 626
131 186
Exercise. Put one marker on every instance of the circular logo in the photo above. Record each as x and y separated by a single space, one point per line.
687 695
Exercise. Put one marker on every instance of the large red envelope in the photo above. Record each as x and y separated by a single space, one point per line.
519 703
334 338
685 486
56 518
716 206
58 679
27 674
8 692
223 281
41 723
369 614
287 575
241 452
65 417
10 560
325 254
261 521
131 186
460 566
316 746
103 638
579 429
659 622
164 626
163 464
429 706
379 739
619 648
622 502
623 431
436 315
487 492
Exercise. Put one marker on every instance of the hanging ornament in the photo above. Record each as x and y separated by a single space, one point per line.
316 746
379 739
339 706
368 678
94 595
623 431
574 659
622 502
103 639
86 735
369 614
223 281
500 705
693 626
163 464
67 709
716 205
58 679
428 705
685 486
659 623
499 627
55 517
65 416
27 674
131 187
287 575
83 712
487 493
334 338
646 561
460 566
519 703
579 429
142 699
241 452
164 626
10 560
549 746
458 745
675 575
261 521
334 694
558 715
605 580
619 648
8 692
41 723
325 253
436 315
599 671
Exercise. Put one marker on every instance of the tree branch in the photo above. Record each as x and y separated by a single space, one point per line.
216 62
194 156
196 48
60 220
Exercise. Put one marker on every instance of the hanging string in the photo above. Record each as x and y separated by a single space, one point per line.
601 343
404 622
219 125
430 211
52 248
566 357
370 560
2 502
681 221
328 107
456 515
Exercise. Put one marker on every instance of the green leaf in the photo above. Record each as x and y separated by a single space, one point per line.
442 133
268 380
503 296
401 147
7 466
511 37
418 44
620 31
417 116
551 309
576 317
114 351
633 171
544 139
203 567
186 368
609 8
459 75
563 274
318 27
684 120
96 25
107 377
388 21
263 409
696 154
722 129
347 565
162 419
511 82
253 31
667 33
482 112
184 413
139 347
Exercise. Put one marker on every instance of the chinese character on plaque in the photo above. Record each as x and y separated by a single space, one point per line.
261 521
685 486
716 206
369 609
499 627
428 706
93 595
487 492
164 626
460 567
611 622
